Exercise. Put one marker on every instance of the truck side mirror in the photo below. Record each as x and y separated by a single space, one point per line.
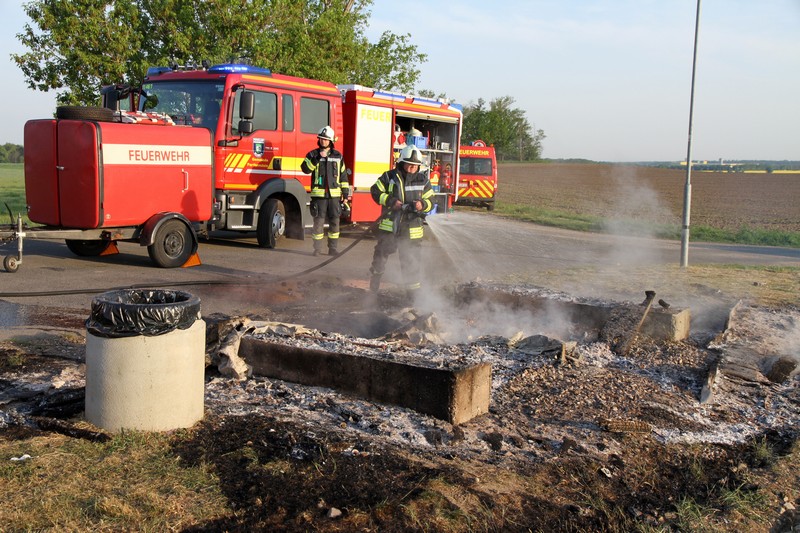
110 97
247 105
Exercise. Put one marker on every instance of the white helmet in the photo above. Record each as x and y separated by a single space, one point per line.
326 133
412 156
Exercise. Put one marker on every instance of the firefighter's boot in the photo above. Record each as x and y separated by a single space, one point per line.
412 291
374 280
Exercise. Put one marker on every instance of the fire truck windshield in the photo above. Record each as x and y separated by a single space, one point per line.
475 166
194 103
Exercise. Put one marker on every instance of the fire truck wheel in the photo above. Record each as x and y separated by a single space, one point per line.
271 223
172 245
91 248
74 112
10 263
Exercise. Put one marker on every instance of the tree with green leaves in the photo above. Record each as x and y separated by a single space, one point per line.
503 126
11 153
77 46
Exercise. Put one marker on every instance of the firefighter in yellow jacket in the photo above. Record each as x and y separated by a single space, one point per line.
329 188
406 196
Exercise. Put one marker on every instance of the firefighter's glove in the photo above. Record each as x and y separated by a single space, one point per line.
397 205
413 207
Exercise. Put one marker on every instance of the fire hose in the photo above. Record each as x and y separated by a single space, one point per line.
327 261
407 209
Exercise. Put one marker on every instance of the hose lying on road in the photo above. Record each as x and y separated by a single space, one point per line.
257 281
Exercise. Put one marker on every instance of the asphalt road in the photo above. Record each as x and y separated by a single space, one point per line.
467 245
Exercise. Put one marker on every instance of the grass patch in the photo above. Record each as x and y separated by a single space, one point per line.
761 284
12 358
763 453
547 217
12 191
693 516
750 503
745 235
77 485
596 224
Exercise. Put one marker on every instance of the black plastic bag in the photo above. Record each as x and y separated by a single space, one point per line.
149 312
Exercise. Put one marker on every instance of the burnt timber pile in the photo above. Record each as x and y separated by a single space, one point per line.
605 369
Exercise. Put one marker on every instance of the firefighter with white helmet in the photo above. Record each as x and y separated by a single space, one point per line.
329 189
406 196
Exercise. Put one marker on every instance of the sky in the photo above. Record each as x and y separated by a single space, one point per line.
605 80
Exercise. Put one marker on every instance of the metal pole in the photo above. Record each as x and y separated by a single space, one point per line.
687 192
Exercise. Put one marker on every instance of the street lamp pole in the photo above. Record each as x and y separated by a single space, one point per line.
687 191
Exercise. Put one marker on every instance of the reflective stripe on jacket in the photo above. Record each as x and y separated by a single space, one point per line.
328 174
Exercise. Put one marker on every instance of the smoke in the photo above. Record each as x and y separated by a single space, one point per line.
636 210
635 217
466 321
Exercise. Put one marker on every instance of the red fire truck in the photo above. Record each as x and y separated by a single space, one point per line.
219 148
477 181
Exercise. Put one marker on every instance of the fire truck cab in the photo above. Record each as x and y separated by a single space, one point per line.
262 126
477 175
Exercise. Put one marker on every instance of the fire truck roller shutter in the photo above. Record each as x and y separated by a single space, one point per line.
170 239
294 199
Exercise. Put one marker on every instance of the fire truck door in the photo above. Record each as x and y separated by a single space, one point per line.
259 153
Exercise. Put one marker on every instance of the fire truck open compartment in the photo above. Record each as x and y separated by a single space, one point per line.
439 147
380 124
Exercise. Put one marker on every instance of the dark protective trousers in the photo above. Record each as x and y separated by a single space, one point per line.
410 256
325 210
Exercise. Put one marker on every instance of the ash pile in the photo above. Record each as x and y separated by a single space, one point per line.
505 372
564 375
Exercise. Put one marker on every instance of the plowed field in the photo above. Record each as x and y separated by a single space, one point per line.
718 200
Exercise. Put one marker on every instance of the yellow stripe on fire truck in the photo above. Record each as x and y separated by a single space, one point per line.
235 161
479 189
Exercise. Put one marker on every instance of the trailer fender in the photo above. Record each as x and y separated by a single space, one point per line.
295 199
151 227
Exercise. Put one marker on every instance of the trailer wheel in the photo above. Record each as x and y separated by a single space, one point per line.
90 248
172 244
10 263
74 112
271 223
